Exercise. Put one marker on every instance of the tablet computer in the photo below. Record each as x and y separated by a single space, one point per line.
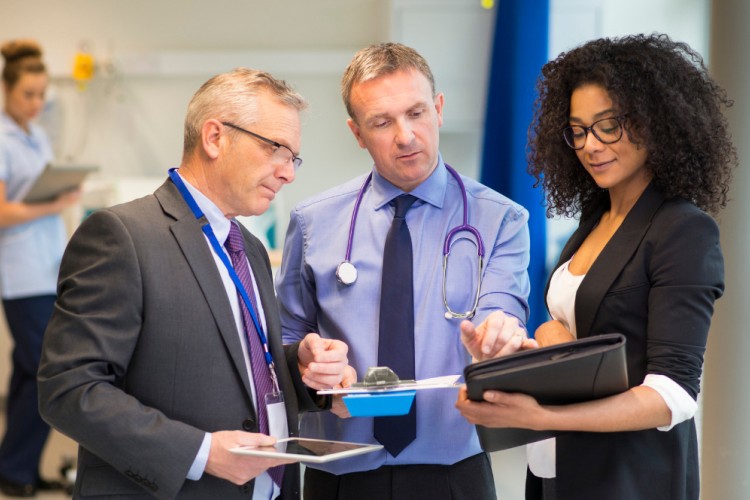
55 180
315 451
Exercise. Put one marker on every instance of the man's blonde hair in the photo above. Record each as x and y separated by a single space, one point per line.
379 60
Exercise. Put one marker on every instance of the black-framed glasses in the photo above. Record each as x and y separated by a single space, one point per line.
281 155
606 130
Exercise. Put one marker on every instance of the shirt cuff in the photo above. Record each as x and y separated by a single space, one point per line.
199 464
679 402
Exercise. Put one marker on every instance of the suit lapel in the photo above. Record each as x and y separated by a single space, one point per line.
196 251
613 257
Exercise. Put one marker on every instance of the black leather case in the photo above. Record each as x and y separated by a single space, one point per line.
582 370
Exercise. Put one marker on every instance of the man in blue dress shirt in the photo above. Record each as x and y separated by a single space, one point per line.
396 114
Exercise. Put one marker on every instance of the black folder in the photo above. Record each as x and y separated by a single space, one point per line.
581 370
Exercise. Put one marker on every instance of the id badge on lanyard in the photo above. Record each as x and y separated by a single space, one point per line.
275 409
277 424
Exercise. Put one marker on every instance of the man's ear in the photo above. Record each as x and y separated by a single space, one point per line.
439 103
211 136
356 131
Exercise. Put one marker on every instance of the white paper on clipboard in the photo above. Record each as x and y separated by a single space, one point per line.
444 382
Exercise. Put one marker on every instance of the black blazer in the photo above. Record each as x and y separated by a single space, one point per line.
655 282
142 355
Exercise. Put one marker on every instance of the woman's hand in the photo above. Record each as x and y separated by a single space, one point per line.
67 199
502 409
552 332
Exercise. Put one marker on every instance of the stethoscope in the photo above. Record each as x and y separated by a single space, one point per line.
346 272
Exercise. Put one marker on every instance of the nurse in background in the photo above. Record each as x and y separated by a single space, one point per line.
32 240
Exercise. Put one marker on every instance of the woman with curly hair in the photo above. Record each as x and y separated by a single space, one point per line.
32 240
628 133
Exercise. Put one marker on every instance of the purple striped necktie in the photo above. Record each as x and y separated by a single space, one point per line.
261 371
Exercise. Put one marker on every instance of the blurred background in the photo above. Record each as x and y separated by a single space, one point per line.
123 73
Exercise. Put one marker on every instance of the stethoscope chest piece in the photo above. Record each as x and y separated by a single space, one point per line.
346 273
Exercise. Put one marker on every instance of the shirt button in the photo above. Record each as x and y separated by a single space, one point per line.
248 425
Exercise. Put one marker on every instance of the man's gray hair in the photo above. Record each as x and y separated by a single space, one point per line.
232 97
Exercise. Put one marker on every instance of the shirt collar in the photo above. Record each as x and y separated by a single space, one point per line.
10 127
8 124
431 190
219 223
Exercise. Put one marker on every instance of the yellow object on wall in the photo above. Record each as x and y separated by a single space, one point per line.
83 68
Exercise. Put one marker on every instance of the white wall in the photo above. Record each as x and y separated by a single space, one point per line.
575 21
129 118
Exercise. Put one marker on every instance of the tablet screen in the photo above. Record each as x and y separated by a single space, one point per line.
308 450
315 448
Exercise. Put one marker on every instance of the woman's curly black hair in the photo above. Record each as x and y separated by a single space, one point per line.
673 108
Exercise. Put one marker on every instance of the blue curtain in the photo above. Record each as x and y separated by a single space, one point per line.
518 54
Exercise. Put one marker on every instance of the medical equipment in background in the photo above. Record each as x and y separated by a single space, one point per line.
83 66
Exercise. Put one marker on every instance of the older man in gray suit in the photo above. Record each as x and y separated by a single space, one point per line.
148 360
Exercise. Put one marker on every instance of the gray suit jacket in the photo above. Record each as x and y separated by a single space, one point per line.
142 356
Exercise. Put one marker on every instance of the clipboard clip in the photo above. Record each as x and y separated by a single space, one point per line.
384 397
380 377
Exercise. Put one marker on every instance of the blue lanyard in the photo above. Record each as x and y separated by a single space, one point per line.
209 232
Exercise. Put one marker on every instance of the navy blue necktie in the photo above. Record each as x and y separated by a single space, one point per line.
396 345
258 365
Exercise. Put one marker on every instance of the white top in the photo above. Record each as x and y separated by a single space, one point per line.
561 302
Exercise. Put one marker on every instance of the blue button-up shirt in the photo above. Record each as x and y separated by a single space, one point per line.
312 300
30 253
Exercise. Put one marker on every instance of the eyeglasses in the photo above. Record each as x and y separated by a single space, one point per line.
281 155
606 130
